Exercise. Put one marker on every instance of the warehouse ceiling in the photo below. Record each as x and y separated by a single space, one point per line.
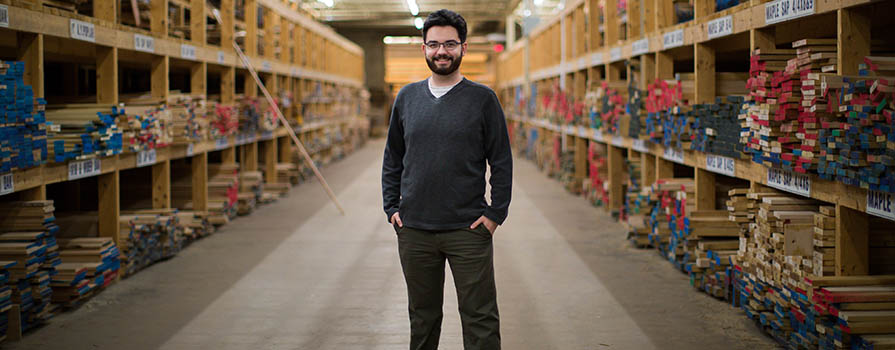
483 17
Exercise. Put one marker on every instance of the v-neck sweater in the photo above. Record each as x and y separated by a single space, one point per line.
433 171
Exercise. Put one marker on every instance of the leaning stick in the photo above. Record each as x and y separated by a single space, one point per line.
280 117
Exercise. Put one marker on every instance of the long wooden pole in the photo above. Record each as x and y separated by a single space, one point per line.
280 117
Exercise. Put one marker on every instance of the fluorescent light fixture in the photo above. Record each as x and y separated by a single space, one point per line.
328 3
538 2
418 22
412 6
402 40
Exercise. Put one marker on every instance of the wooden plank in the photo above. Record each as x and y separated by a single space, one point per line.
843 281
228 85
616 177
285 150
853 39
852 230
251 21
702 9
109 207
14 325
198 25
161 184
647 71
664 66
31 50
107 74
160 75
664 168
581 158
704 61
664 13
227 23
198 78
633 27
705 190
270 161
199 170
158 23
610 24
106 10
228 155
250 162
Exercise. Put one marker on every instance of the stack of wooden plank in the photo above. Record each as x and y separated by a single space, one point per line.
597 189
860 150
223 191
142 12
29 239
853 312
187 120
668 114
256 115
716 127
823 262
23 131
223 121
195 225
636 195
611 101
99 261
637 123
668 217
251 190
567 172
79 131
5 296
556 106
148 236
145 126
771 85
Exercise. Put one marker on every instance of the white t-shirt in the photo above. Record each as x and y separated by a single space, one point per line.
439 91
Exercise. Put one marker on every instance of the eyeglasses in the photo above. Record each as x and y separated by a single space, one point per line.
450 45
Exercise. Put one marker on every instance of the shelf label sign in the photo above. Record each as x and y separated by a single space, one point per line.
615 54
82 30
719 27
673 39
618 141
266 135
582 132
7 184
145 158
265 65
144 43
598 135
221 57
640 146
640 47
674 155
784 10
721 165
188 51
788 181
881 204
221 143
84 168
4 16
189 150
596 59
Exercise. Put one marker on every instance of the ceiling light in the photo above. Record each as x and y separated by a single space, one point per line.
418 22
413 7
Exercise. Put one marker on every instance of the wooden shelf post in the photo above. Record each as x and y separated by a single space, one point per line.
852 242
161 185
198 25
199 169
704 61
250 163
199 78
853 39
160 76
616 176
31 51
270 161
158 22
109 205
107 74
705 189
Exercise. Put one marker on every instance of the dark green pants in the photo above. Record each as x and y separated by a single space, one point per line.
471 256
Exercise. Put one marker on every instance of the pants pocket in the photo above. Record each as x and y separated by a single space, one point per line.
482 230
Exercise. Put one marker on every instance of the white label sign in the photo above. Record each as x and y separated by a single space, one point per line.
673 39
84 168
618 141
145 158
720 165
598 135
188 51
582 132
221 57
640 47
790 182
615 54
784 10
596 59
640 146
674 155
265 65
189 150
7 184
221 143
144 43
4 16
719 27
267 135
880 204
82 30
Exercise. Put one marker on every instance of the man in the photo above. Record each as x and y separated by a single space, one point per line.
442 132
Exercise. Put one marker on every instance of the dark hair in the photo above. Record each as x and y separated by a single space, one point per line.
446 17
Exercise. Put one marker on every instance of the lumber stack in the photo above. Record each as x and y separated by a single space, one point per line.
596 190
716 126
556 106
223 191
769 75
23 133
145 126
669 217
143 11
256 115
567 172
97 258
669 115
79 131
251 191
611 107
29 239
860 150
636 204
635 109
223 121
187 119
5 296
823 262
853 312
148 236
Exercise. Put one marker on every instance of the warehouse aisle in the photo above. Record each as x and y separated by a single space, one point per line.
296 275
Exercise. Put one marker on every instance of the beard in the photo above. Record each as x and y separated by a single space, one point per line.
452 67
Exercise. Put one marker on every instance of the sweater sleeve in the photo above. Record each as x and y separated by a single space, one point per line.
500 158
393 163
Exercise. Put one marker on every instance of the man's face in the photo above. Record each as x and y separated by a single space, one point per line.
443 50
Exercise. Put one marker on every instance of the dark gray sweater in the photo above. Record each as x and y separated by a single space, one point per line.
433 171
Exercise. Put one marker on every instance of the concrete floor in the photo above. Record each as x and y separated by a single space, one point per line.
297 275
